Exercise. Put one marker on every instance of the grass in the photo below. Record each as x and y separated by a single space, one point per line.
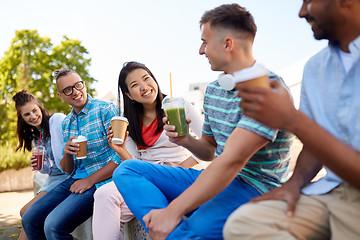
13 160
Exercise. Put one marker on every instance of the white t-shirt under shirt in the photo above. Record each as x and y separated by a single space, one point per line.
347 60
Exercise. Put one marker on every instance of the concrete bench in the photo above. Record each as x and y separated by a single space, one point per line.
133 230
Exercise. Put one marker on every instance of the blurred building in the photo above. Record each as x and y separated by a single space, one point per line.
111 98
292 75
196 94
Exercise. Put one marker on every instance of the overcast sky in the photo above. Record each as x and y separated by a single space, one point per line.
165 35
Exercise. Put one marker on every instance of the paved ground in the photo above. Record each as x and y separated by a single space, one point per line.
10 205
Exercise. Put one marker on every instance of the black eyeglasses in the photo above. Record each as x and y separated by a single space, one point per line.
69 90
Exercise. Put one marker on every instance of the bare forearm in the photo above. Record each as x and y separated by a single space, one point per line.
240 146
341 158
188 163
103 173
124 154
211 181
201 148
67 163
305 170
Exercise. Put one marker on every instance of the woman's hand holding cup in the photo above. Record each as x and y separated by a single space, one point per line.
33 162
117 148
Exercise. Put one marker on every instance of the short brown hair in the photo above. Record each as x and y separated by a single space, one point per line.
231 16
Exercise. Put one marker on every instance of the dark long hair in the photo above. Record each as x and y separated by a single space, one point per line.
25 132
134 111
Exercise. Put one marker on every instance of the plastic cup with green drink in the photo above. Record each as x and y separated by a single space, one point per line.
175 112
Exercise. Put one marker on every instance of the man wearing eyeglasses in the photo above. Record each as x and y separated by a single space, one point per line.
71 202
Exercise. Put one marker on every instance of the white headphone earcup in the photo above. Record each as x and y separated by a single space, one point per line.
226 81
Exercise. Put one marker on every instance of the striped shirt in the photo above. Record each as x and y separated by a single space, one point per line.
267 168
92 122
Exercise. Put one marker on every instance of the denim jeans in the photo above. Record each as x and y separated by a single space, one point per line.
58 212
146 186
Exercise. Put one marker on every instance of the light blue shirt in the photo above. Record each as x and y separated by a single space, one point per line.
331 96
53 146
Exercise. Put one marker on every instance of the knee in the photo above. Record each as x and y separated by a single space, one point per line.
28 219
230 224
51 227
100 194
22 211
106 194
127 167
239 223
49 230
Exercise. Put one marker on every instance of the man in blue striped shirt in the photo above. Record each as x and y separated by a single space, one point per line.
247 157
70 203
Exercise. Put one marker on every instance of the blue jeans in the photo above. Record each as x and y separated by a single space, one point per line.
146 186
58 212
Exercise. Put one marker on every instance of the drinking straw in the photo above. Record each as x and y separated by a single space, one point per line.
39 140
171 89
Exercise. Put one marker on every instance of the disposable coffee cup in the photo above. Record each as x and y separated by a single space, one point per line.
257 75
119 125
175 112
38 153
82 141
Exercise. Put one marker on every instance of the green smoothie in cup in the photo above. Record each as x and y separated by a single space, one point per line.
175 113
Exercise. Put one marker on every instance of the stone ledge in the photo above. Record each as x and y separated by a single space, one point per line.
133 230
16 180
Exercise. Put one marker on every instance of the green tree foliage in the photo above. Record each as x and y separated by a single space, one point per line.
13 160
28 64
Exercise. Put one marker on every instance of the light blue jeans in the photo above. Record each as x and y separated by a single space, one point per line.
58 212
146 186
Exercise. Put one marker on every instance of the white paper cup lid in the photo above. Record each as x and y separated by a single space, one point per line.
119 118
80 138
117 141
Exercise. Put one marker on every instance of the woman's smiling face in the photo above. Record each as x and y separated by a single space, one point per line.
31 113
142 87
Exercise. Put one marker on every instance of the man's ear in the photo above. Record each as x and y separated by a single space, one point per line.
229 43
59 95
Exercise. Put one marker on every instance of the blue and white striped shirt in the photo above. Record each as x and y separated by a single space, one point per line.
267 168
